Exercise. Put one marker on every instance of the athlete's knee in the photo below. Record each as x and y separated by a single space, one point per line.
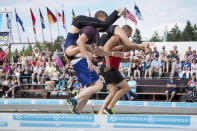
111 94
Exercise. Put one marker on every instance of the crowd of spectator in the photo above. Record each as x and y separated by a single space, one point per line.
43 68
161 63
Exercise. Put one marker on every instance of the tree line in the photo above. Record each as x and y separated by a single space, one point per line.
189 33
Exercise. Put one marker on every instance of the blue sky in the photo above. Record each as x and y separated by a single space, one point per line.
156 13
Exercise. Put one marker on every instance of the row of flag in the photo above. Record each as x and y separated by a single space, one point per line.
137 13
55 18
51 17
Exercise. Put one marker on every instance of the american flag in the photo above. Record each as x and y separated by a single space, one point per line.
130 16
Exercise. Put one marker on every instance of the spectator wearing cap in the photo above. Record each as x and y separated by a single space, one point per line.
186 66
156 66
156 53
177 67
171 85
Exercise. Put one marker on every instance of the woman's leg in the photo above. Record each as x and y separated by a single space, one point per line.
124 88
112 91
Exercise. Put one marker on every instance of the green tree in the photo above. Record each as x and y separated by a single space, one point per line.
21 52
155 37
188 32
174 34
29 50
16 50
195 32
137 37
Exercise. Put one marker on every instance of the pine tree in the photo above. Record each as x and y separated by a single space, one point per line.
174 34
21 52
188 32
137 37
29 50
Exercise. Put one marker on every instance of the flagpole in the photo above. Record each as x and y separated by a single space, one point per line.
35 37
42 34
50 33
57 22
11 29
64 20
27 39
18 32
10 25
41 26
18 29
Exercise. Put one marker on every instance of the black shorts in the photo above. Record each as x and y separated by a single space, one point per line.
113 76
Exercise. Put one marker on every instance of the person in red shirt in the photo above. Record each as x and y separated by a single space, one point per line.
2 55
111 74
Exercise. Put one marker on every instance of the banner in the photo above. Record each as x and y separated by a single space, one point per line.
4 39
88 122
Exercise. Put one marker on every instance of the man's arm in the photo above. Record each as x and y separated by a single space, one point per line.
80 43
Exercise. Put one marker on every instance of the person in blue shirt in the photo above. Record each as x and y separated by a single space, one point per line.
171 85
76 87
186 66
156 66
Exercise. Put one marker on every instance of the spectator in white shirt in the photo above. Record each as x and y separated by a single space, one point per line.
131 93
36 72
156 66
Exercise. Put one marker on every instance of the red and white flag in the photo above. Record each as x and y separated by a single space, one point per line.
130 16
33 21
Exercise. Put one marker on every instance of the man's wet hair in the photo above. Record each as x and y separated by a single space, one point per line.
127 28
100 13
